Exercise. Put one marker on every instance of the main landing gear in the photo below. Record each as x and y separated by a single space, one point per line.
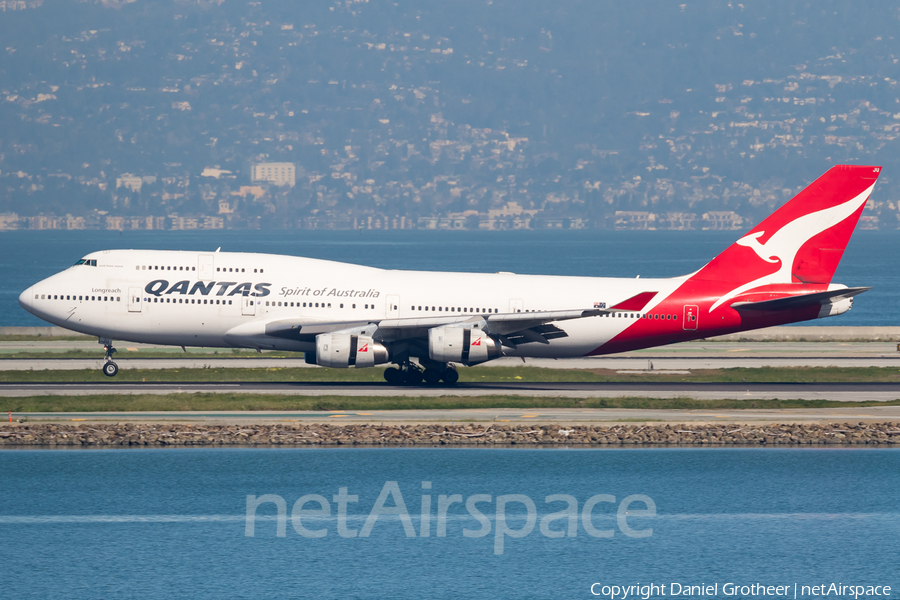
410 373
109 367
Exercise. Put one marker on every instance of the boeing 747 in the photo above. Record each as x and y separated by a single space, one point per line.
425 323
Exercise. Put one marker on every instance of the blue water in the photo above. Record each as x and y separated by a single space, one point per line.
170 523
870 259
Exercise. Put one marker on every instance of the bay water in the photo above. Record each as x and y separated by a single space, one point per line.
870 260
173 523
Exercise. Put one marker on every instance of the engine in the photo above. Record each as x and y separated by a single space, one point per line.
463 345
341 350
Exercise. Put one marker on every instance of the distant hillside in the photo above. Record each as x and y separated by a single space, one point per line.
435 114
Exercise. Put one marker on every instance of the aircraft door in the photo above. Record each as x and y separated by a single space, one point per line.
392 308
134 299
205 266
690 317
248 306
516 305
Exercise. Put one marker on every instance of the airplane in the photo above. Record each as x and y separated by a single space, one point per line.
426 323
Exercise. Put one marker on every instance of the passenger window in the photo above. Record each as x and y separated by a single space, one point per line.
354 306
342 306
329 305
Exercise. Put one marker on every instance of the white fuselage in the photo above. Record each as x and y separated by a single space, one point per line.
225 299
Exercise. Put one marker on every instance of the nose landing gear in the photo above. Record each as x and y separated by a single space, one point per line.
109 367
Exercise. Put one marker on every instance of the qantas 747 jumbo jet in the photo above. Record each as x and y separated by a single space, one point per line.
343 315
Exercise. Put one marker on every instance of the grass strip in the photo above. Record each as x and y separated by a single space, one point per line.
475 375
263 402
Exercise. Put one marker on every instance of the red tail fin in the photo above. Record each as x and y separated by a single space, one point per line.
801 242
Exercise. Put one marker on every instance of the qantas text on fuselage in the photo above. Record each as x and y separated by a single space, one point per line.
426 323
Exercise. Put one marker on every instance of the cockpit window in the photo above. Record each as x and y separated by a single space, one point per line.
87 262
80 262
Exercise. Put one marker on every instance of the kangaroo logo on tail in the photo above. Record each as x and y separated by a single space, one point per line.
782 247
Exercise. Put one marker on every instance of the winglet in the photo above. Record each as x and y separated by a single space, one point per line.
635 302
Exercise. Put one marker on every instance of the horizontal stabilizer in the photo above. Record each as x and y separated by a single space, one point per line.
791 302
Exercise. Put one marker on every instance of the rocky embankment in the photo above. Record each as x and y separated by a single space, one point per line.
315 434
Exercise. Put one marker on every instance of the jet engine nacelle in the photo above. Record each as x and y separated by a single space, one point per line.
463 345
342 350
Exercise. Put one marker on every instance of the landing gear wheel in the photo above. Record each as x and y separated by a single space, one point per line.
450 376
431 376
393 376
413 376
110 369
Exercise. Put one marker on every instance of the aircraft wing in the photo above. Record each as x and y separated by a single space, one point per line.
395 329
511 328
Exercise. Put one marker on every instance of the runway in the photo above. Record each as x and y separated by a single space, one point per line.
844 392
616 363
681 357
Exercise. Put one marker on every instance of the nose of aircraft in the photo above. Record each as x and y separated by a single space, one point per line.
25 299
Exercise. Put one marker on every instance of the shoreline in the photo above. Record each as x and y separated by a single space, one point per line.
132 435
